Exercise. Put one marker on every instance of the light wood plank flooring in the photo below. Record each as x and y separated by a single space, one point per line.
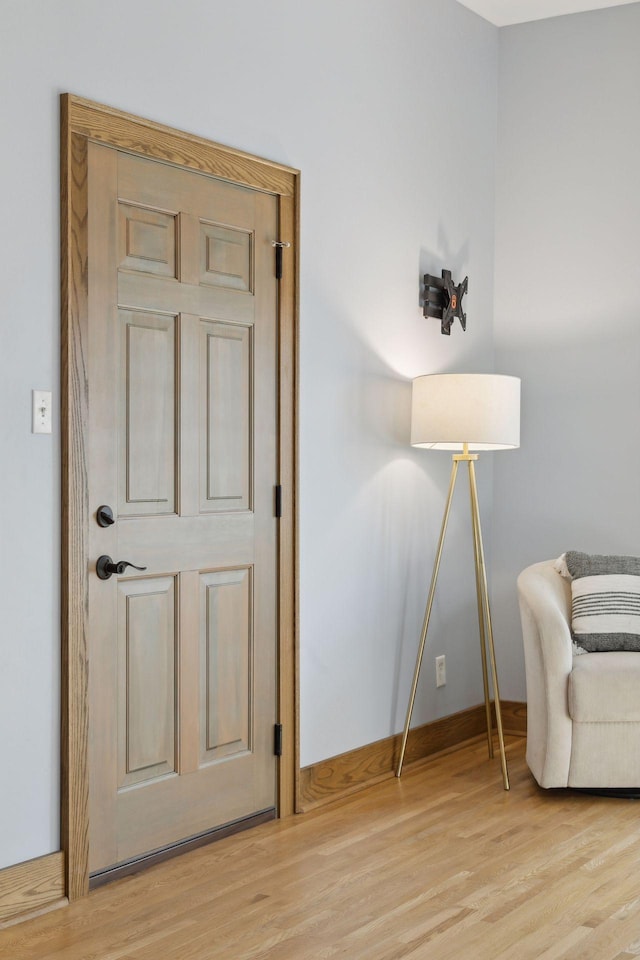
440 865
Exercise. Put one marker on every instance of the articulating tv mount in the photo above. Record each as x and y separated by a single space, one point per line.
443 300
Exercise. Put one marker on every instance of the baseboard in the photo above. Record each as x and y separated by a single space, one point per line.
514 717
31 886
340 776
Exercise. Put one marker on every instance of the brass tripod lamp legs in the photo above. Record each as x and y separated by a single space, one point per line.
484 617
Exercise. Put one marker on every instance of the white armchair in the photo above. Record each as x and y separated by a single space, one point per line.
583 712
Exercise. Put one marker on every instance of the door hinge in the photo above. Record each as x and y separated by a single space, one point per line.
279 245
278 501
277 739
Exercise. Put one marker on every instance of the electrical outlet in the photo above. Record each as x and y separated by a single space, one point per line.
441 671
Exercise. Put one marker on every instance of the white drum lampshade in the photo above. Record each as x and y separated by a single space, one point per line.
479 409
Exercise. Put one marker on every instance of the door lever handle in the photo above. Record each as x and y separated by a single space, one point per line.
105 567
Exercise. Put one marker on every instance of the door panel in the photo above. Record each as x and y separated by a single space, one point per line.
147 241
183 426
226 665
226 256
147 695
147 436
225 455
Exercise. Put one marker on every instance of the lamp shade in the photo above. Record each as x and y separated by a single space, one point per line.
479 409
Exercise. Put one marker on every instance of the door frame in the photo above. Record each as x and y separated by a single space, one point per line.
83 121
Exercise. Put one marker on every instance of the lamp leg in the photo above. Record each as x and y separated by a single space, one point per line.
427 615
477 553
487 614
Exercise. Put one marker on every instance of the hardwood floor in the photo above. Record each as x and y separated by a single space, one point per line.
440 865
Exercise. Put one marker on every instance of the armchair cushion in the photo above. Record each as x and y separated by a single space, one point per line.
603 688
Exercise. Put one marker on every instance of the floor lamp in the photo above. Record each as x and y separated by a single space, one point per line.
465 412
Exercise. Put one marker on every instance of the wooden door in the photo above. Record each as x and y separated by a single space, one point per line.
183 448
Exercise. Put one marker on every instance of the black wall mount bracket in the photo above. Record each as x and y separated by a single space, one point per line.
443 300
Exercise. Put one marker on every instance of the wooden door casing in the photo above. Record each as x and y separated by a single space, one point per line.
83 123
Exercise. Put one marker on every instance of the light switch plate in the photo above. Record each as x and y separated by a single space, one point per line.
42 411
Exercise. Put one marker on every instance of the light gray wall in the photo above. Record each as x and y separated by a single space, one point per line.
567 297
389 110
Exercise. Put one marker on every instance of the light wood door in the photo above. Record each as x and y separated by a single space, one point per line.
182 435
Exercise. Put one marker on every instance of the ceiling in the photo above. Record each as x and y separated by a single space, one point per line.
505 12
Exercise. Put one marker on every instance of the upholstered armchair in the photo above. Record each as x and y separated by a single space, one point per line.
583 711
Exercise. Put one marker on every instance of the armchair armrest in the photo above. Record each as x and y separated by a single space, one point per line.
545 610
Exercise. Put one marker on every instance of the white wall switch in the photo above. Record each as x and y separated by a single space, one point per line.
441 671
42 411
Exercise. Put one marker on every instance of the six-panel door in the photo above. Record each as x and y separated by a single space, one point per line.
183 426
